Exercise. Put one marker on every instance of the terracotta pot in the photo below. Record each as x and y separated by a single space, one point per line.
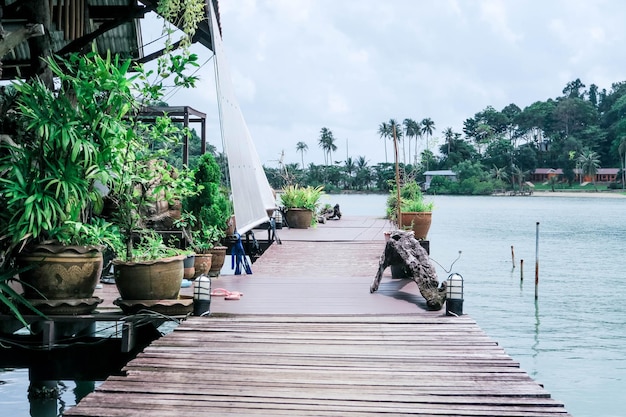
219 256
159 279
299 218
62 272
203 264
418 221
232 226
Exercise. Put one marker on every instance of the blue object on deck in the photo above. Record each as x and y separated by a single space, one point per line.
239 257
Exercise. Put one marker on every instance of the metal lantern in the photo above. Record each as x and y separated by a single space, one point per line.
278 218
454 295
202 296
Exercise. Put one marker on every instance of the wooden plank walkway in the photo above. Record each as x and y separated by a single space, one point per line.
308 339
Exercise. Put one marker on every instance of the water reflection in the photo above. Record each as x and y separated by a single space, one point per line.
49 398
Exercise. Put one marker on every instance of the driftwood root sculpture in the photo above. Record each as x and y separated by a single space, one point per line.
403 249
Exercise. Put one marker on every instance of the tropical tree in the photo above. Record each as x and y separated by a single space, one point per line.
349 169
589 163
327 143
411 131
384 132
302 148
448 135
363 173
499 174
428 128
517 176
396 129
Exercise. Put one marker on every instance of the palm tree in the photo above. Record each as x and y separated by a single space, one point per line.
302 148
589 163
327 143
448 134
363 173
349 168
499 174
428 127
518 176
384 131
395 127
412 130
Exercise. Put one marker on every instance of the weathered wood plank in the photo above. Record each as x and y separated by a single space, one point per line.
308 339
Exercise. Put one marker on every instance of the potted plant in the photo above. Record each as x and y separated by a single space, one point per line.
62 152
200 240
56 163
300 204
211 210
154 271
415 210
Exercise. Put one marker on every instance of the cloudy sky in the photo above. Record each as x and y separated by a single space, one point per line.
348 65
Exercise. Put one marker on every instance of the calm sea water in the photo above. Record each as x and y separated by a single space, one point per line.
571 339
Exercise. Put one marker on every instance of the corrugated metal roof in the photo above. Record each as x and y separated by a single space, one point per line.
68 31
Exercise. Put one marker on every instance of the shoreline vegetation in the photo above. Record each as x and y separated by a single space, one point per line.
582 193
536 193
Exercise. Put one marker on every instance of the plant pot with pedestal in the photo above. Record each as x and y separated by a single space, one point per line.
154 272
61 272
157 279
300 204
415 211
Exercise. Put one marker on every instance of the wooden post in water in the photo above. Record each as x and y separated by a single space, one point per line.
521 270
513 256
537 262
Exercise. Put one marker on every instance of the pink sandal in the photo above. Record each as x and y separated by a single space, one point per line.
228 295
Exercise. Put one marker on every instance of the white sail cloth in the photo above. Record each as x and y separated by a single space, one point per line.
251 192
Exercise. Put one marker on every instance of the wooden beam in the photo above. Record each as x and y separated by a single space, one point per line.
15 38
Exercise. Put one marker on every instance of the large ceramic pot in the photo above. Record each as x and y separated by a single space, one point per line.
203 264
61 272
299 218
217 261
419 222
158 279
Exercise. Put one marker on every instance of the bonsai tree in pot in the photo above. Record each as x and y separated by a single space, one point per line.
300 203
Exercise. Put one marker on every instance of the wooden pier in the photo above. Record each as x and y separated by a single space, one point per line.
308 339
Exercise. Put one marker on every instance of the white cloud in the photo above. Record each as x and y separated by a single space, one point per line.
299 65
494 12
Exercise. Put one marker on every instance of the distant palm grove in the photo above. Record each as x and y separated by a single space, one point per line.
577 134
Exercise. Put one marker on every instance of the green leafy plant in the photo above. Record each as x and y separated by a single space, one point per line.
64 149
97 233
411 200
11 299
149 246
201 240
210 208
295 196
